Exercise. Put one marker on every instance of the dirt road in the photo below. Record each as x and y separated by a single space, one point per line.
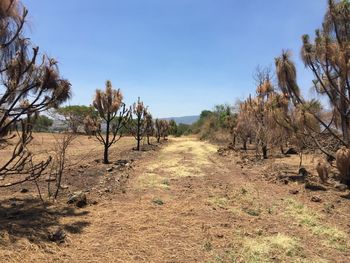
188 204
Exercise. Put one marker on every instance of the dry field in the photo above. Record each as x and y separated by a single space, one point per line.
179 202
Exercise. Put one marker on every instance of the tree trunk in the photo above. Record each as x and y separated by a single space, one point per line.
345 129
264 150
282 150
245 145
105 154
148 140
138 136
234 141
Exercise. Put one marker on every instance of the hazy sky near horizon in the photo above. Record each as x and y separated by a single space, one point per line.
179 56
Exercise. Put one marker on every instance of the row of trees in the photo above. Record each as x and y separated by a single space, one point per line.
109 110
30 84
280 113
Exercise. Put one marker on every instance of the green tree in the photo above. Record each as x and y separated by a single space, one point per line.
182 129
75 115
172 127
42 123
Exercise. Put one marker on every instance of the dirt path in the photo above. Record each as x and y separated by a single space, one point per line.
187 204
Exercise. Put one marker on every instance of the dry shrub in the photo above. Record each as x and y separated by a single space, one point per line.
343 163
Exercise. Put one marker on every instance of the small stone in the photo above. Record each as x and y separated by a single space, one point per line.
57 235
303 172
109 169
316 199
291 151
24 190
314 187
64 186
293 191
77 198
121 162
341 187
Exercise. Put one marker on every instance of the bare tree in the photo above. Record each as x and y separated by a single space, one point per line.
59 163
165 128
29 84
162 129
149 127
245 127
113 113
158 127
137 126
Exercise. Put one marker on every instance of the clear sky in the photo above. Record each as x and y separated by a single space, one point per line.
179 56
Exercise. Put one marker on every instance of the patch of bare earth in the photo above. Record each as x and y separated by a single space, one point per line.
185 203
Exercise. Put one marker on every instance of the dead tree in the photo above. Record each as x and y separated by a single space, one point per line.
111 112
327 58
158 127
30 84
164 129
59 163
149 127
138 126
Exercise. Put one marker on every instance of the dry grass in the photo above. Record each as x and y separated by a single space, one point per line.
184 203
176 161
330 236
81 148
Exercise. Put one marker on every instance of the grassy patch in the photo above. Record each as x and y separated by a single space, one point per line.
279 245
265 249
274 248
152 180
330 235
208 246
221 202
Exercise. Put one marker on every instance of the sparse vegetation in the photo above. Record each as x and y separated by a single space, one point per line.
263 180
113 113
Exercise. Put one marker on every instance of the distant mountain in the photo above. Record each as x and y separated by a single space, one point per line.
185 119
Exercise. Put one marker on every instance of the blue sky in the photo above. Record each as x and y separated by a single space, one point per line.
179 56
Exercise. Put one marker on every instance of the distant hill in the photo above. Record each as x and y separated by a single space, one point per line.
185 119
